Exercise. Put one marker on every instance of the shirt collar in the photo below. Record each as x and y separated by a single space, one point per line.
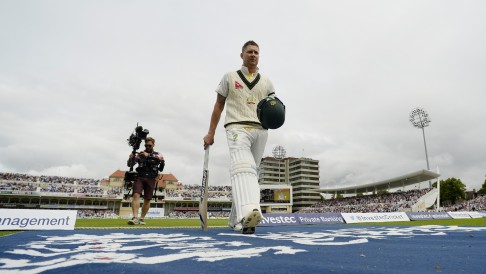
246 72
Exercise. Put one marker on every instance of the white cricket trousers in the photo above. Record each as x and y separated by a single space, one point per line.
246 147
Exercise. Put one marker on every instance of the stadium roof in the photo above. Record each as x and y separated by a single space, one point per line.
118 174
397 182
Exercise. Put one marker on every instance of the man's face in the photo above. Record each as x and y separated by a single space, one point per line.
149 146
250 56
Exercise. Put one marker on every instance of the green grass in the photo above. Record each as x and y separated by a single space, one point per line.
83 223
120 223
194 223
6 232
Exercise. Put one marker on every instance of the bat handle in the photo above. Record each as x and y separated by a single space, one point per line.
206 158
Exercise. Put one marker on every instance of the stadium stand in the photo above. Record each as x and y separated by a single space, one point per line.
98 199
387 202
193 192
95 214
476 204
194 214
88 196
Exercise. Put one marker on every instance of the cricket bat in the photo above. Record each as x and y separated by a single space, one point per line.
203 201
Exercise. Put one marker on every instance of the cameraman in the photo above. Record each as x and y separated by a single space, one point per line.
149 163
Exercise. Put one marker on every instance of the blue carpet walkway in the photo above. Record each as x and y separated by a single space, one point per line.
292 249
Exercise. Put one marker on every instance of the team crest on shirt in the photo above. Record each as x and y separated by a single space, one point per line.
251 100
238 85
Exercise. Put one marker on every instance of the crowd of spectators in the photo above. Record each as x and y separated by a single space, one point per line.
194 214
193 192
476 204
183 214
387 202
218 214
69 181
57 188
91 190
116 190
48 179
55 184
56 180
18 177
16 186
96 213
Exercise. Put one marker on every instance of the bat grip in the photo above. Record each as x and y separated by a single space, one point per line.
206 158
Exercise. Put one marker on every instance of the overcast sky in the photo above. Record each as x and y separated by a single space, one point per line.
77 76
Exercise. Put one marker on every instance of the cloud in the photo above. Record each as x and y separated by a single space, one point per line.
349 74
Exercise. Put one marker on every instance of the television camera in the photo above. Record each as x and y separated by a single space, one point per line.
135 139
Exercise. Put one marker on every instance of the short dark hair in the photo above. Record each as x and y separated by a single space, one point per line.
251 42
150 139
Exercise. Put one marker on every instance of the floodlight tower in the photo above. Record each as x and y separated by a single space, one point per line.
279 153
420 119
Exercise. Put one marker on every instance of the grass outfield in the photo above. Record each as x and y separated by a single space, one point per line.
194 223
121 223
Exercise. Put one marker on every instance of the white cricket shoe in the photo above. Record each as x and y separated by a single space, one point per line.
238 227
251 221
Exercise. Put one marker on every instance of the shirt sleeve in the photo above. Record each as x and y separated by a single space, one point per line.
271 89
223 87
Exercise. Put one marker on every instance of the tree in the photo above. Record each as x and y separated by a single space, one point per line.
382 191
452 191
482 191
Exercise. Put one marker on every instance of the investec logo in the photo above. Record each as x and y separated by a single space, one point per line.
279 220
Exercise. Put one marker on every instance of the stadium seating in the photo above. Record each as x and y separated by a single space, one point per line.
23 190
388 202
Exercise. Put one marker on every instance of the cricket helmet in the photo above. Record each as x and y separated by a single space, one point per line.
271 112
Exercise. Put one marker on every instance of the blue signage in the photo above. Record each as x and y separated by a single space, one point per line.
301 219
